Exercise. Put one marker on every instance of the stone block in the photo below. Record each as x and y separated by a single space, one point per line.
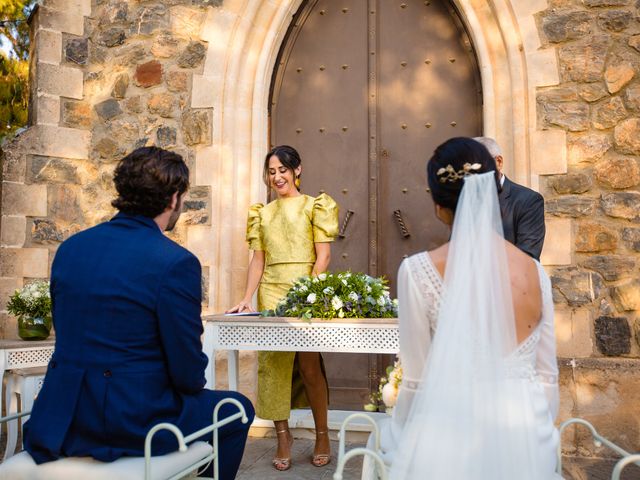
611 267
632 97
14 231
27 200
148 74
622 205
57 141
203 92
550 153
59 80
192 56
165 45
609 114
571 183
108 109
24 262
80 6
13 161
618 76
627 295
196 127
558 242
150 18
592 92
631 236
162 104
560 26
77 51
595 237
634 42
166 136
53 170
48 110
120 86
112 37
187 21
64 204
627 136
584 62
114 12
76 114
178 82
606 3
48 46
46 232
570 206
588 148
574 333
573 116
614 20
613 336
576 287
66 20
618 173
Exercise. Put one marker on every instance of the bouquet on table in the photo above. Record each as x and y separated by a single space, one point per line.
337 295
388 390
32 305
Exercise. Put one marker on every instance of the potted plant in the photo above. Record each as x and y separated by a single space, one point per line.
32 305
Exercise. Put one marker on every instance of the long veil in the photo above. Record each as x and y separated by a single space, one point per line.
469 420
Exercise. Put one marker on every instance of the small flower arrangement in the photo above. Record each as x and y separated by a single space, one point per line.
388 390
32 305
337 295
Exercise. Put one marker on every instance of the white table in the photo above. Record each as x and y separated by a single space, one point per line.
25 354
353 335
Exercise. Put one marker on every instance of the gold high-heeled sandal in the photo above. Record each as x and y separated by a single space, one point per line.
321 459
283 464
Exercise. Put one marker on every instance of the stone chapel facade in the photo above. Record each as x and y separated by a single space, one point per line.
560 91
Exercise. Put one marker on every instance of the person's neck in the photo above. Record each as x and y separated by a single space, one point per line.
162 220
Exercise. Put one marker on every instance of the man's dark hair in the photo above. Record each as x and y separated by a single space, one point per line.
454 153
147 178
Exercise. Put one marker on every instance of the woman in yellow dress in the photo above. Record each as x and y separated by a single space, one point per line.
290 238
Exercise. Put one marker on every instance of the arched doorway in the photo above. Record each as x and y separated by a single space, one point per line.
365 90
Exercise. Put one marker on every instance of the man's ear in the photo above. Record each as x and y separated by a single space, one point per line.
174 201
499 162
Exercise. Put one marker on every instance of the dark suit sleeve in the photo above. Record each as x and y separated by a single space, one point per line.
530 226
178 311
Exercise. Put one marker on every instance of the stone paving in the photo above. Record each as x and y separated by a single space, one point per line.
256 463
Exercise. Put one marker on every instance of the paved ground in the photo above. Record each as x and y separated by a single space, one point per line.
256 464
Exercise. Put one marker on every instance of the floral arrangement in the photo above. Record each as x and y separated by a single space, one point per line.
388 390
32 305
337 295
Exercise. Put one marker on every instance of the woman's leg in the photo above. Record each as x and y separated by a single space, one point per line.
315 385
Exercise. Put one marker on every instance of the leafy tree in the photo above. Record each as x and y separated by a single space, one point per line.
14 65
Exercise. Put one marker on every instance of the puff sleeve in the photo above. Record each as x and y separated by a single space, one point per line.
324 219
254 238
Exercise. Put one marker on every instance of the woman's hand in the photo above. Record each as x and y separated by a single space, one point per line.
242 307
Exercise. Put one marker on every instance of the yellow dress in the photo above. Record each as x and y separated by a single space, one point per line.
286 230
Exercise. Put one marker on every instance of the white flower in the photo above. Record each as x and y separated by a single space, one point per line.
395 302
389 395
315 279
381 301
36 294
370 300
311 298
336 303
328 291
340 314
322 277
367 289
345 282
294 308
303 288
353 296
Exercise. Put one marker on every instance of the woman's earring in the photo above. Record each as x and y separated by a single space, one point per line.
297 182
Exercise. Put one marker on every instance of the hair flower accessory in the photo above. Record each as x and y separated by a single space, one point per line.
449 174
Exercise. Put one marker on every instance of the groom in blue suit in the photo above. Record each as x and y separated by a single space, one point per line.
126 309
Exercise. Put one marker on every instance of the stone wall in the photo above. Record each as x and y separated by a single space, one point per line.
597 296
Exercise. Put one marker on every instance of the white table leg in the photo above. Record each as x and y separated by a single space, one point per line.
207 347
233 360
13 387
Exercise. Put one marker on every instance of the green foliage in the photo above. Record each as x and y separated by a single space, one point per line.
14 65
33 300
337 295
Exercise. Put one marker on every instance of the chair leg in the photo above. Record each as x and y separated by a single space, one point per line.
13 386
27 396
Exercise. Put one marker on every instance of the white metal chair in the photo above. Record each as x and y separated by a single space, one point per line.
171 466
598 441
25 383
344 457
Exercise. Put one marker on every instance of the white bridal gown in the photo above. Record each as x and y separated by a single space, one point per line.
420 289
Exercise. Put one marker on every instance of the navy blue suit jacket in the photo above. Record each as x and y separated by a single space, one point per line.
128 354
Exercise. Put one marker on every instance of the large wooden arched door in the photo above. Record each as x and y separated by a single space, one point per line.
365 90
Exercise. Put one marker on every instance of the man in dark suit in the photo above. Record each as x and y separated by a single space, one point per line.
522 208
126 309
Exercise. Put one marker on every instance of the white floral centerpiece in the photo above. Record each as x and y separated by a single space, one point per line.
388 390
337 295
32 305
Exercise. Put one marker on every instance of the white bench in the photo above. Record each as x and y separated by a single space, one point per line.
171 466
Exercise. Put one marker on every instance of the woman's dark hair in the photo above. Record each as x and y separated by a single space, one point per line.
147 178
288 156
456 152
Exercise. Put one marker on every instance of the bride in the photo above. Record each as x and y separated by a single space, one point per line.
479 397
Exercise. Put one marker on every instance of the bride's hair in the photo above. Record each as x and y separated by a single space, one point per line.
451 162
